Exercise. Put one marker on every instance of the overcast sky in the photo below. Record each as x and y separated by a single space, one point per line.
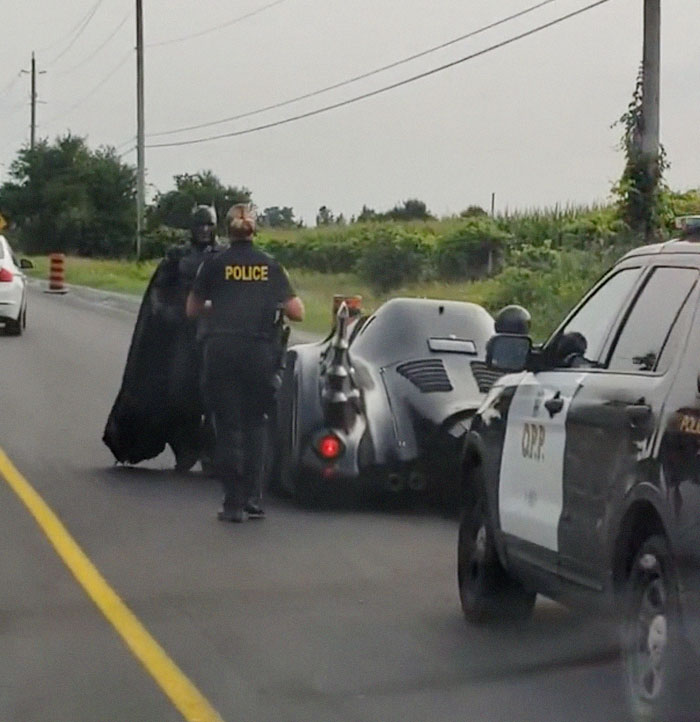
530 122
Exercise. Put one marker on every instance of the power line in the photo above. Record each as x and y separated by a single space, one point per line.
386 88
60 40
126 142
80 31
78 103
8 87
220 26
99 47
355 78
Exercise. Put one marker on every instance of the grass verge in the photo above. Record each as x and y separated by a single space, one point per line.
548 293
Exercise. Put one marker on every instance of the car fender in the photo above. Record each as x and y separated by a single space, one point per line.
633 494
478 478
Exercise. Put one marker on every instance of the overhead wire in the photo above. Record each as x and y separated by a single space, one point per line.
81 29
78 103
11 83
125 142
219 26
60 40
99 47
355 78
386 88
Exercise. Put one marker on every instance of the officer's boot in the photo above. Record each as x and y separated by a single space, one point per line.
229 468
207 458
256 449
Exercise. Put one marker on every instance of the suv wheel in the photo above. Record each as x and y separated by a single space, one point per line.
659 666
486 591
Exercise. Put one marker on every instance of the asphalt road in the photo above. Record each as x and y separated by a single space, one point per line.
345 615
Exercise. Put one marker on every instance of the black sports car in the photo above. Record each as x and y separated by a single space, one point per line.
384 400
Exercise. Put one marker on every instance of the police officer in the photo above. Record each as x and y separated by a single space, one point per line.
245 289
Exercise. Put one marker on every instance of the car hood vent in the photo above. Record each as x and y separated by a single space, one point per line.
485 377
428 375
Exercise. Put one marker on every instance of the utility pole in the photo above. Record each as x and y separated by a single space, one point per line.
32 127
140 136
32 136
651 64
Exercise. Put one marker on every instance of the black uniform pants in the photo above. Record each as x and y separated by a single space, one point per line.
238 392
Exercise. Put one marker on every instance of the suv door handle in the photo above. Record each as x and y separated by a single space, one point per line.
638 414
554 405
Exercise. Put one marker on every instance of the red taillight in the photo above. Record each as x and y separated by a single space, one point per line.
5 275
329 447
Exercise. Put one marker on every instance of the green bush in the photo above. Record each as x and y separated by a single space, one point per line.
474 249
156 242
535 258
549 293
391 258
596 229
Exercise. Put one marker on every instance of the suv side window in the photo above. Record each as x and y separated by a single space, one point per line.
651 319
583 337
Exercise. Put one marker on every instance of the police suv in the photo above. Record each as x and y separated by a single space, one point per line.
583 472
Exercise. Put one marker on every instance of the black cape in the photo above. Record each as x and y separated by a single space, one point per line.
159 401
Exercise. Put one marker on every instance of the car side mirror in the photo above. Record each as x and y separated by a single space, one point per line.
25 263
508 352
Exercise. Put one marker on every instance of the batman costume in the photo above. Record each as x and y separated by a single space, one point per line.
159 401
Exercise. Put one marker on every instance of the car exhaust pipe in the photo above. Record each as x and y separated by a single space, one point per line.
417 481
396 483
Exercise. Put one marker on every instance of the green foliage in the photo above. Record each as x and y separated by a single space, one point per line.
534 258
472 250
65 197
333 251
390 258
412 209
276 217
548 292
684 204
473 211
642 196
174 207
157 241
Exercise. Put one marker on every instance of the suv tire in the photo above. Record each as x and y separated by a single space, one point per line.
660 668
486 591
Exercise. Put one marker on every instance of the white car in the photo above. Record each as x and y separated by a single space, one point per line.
13 290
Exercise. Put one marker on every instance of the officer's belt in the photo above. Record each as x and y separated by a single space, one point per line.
246 335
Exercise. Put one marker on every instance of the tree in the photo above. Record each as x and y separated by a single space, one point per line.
276 217
410 210
173 208
641 193
325 216
473 212
367 214
65 197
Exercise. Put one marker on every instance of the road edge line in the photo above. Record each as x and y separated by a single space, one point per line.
173 682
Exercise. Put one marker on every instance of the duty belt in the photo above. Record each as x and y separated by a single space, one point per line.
237 333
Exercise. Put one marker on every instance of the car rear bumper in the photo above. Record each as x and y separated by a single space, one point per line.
11 298
9 309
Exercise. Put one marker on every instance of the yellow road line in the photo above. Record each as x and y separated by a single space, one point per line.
183 694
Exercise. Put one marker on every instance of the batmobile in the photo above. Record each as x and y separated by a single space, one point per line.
383 402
